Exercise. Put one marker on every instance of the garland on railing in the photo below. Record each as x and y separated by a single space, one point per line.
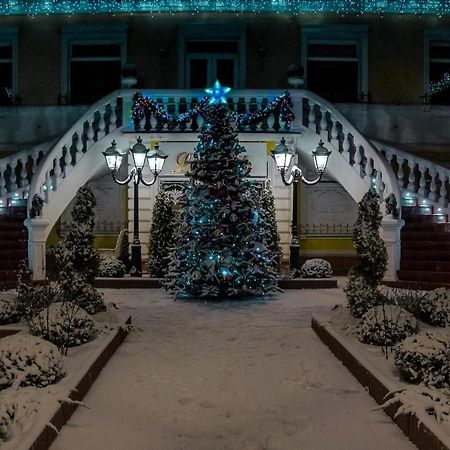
435 87
142 105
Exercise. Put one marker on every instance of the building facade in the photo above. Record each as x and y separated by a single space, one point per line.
372 64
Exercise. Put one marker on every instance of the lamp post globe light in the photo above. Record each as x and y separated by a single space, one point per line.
283 156
141 155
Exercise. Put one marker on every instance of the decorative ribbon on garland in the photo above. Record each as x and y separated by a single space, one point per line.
144 106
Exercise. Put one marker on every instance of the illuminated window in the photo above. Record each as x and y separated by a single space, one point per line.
92 61
335 61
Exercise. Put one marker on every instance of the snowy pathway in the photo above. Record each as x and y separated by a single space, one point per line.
235 376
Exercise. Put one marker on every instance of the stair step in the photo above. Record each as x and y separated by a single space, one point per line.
13 234
421 226
424 276
8 275
428 246
414 211
429 265
429 218
425 236
415 285
11 264
20 244
425 255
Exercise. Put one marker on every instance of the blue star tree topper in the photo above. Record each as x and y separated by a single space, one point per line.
217 93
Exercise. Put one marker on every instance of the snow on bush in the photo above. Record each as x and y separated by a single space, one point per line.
74 289
27 360
14 410
316 268
64 324
360 295
386 325
434 308
9 312
425 358
420 399
112 268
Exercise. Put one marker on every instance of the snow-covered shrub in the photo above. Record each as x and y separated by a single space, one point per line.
9 312
17 408
371 264
74 289
112 268
32 298
386 325
316 268
27 360
424 358
360 296
434 308
77 249
64 324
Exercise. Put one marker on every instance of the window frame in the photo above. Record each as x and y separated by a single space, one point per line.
429 36
338 35
9 38
211 32
87 35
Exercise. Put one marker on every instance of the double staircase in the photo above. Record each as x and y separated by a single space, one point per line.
56 169
13 244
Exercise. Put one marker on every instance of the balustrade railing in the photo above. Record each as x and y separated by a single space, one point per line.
322 118
418 179
102 118
16 171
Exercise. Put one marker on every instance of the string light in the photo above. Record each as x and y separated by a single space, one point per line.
439 86
341 7
143 106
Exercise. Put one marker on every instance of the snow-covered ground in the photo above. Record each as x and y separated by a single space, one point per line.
234 375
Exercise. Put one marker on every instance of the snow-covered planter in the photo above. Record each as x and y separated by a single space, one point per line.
316 268
27 360
64 324
9 312
386 325
360 295
434 308
425 358
112 268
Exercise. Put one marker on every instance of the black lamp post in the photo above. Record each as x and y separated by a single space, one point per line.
283 156
141 155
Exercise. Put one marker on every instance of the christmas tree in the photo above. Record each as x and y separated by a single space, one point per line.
220 250
162 234
272 238
77 249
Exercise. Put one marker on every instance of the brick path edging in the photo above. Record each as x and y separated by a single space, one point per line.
413 427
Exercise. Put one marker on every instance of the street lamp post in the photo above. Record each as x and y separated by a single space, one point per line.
140 155
283 156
